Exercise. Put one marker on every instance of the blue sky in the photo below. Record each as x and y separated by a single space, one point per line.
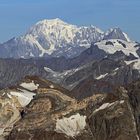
16 16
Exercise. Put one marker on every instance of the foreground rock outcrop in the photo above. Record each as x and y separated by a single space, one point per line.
14 100
37 109
52 115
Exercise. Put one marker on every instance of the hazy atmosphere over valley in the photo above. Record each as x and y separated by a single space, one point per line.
70 70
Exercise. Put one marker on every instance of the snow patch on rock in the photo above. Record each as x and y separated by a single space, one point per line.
24 96
51 86
71 126
116 46
127 38
30 86
106 105
101 76
136 64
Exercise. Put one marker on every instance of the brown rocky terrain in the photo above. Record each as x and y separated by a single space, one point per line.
13 101
53 115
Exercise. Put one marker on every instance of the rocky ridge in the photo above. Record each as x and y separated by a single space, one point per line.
52 114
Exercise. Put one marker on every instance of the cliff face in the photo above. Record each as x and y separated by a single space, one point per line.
14 100
9 113
114 121
134 99
52 115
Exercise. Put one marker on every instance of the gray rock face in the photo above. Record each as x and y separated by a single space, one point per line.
12 71
102 77
134 98
96 64
109 123
98 76
97 51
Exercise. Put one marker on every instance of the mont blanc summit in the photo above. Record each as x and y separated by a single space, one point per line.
55 37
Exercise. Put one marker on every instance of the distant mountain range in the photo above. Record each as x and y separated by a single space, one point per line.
56 38
71 56
63 82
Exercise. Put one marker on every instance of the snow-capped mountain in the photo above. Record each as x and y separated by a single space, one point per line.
114 45
116 33
56 38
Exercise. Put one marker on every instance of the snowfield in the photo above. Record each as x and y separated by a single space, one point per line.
24 96
116 46
71 126
30 86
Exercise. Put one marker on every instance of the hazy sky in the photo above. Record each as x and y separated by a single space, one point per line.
16 16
